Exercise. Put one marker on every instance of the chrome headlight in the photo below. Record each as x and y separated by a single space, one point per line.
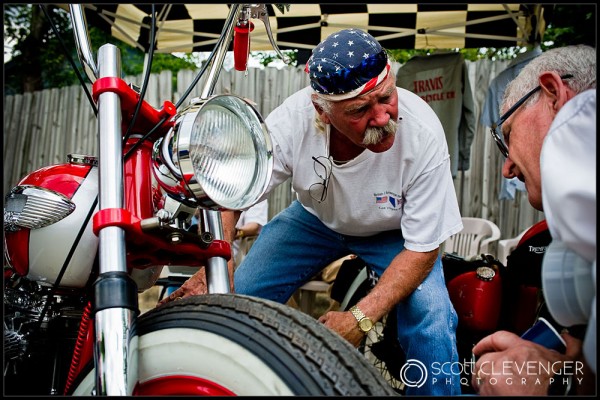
221 152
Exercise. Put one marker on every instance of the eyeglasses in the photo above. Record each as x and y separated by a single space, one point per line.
494 130
322 167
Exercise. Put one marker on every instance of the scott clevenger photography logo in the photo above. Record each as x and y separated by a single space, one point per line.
418 373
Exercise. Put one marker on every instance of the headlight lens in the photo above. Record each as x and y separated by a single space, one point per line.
223 152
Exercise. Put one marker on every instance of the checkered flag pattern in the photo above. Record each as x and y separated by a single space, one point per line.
196 27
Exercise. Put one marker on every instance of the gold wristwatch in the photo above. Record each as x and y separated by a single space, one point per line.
364 323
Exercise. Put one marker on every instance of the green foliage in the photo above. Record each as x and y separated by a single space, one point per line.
132 59
16 20
266 58
36 54
571 24
491 53
39 51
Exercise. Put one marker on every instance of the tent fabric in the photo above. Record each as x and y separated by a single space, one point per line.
196 27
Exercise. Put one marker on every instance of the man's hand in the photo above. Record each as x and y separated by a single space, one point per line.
195 285
508 365
406 272
344 324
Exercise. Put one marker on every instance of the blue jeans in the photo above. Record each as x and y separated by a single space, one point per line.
295 245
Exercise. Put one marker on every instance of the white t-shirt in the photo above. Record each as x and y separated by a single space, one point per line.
568 171
407 187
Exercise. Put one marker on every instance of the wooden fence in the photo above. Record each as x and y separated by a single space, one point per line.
41 128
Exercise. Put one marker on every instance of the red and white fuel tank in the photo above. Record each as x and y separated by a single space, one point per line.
48 224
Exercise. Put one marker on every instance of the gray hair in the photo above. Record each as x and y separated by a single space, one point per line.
325 105
576 60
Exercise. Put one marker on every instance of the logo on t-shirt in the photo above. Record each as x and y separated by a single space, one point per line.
388 200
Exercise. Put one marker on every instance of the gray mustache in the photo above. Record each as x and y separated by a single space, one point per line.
374 135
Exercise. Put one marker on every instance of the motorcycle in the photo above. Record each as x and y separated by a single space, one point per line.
83 239
487 295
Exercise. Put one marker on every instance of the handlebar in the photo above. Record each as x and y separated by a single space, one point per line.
241 40
82 42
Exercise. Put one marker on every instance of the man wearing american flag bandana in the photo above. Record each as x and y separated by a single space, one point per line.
370 165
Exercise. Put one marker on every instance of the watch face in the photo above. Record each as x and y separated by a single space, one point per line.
366 324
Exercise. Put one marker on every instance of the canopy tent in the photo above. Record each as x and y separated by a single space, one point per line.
196 27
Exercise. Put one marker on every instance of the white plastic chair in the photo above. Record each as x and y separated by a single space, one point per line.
474 239
506 246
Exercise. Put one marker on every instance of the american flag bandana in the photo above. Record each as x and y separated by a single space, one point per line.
347 64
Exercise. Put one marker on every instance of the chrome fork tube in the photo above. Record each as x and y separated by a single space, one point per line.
113 321
217 276
112 239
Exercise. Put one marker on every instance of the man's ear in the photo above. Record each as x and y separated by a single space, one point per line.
554 87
